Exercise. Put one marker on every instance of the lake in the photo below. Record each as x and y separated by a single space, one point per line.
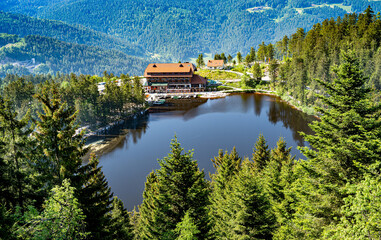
205 126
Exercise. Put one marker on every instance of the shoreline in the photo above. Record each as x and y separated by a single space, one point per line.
106 145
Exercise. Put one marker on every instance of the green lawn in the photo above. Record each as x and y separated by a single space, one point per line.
217 74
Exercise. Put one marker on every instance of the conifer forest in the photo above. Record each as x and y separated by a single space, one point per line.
47 190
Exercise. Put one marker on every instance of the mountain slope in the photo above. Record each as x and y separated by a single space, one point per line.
23 25
180 29
42 54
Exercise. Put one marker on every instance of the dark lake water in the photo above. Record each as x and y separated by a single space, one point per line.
205 126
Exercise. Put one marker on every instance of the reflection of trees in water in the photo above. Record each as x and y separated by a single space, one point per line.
137 128
245 102
291 118
258 99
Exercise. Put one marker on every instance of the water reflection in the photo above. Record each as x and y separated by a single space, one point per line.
203 125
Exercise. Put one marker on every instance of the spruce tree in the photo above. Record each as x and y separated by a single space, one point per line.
62 217
348 136
346 145
149 221
95 197
261 155
180 187
186 229
59 145
247 211
15 136
227 166
120 227
278 176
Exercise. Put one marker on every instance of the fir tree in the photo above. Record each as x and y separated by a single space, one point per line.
61 148
120 227
247 210
345 146
95 198
186 229
62 218
261 155
278 177
15 133
150 221
180 187
227 166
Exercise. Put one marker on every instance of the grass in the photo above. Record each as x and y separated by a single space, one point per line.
217 74
239 68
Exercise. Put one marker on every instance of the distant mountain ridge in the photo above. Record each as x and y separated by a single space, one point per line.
177 30
38 54
22 26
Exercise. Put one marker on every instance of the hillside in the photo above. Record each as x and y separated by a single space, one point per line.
181 29
39 54
22 25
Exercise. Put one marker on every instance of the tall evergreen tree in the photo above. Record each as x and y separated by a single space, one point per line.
227 166
15 133
62 218
60 147
95 198
278 177
253 57
247 211
346 145
239 57
200 61
261 154
181 187
120 227
187 229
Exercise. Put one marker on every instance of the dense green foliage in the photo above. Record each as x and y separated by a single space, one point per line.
82 93
48 55
180 29
23 26
310 55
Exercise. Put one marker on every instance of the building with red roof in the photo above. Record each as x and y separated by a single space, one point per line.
173 78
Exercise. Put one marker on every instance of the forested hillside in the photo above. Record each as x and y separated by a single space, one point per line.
311 55
181 29
51 55
22 26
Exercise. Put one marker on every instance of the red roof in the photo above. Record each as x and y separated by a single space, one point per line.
165 68
215 63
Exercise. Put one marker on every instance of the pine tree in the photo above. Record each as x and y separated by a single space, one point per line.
239 57
186 229
62 218
278 177
60 147
247 210
95 197
149 222
252 54
15 133
180 187
347 138
200 61
261 155
227 166
120 227
345 146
